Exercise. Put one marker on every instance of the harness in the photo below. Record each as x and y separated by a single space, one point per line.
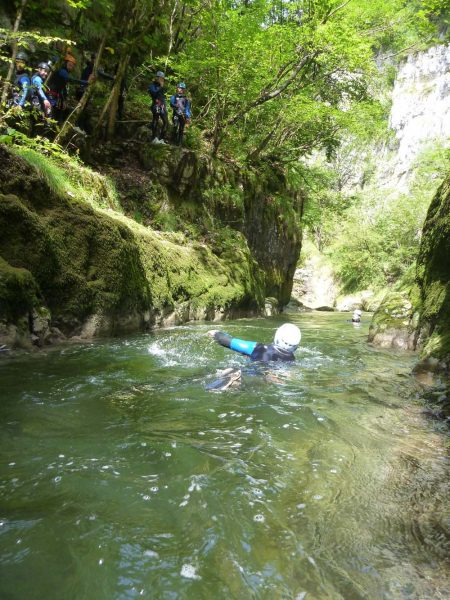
180 105
159 107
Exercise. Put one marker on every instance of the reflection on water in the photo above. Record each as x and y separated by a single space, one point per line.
124 476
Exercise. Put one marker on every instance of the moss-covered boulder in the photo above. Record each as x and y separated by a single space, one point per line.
392 323
98 272
209 193
433 277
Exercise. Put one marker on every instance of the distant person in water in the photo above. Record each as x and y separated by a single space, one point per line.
286 341
356 316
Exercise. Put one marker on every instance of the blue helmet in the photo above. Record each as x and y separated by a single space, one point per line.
160 74
181 85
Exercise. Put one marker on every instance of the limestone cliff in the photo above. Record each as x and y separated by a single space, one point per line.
420 114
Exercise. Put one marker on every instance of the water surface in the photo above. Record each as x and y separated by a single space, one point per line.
122 476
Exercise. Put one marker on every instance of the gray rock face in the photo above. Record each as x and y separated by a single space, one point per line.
420 111
314 284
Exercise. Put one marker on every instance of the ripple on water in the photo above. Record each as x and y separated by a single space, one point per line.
128 478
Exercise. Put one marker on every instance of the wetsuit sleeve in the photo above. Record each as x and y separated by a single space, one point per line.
64 74
242 346
71 79
172 101
188 109
38 83
104 75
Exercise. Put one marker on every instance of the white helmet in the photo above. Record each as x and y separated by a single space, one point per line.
287 337
357 312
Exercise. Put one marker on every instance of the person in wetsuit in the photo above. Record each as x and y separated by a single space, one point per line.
286 341
157 92
21 85
38 89
57 87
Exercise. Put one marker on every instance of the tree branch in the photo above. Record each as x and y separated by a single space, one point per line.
333 12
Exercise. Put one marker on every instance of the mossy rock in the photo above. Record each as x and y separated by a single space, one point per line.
433 277
19 292
96 269
391 323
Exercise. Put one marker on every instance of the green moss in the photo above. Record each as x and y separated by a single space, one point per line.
67 177
438 345
86 258
394 312
433 274
18 292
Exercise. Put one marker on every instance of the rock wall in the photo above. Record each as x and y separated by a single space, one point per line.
420 318
420 113
256 203
70 269
433 278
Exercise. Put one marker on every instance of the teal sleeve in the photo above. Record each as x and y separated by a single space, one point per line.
242 346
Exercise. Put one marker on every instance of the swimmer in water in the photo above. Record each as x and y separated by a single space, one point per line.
356 316
286 341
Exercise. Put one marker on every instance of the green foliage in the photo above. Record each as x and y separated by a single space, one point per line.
225 196
378 240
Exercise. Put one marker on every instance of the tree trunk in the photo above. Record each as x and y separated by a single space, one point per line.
115 93
127 15
8 78
66 129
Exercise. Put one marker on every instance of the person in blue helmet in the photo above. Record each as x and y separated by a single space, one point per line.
157 92
181 107
38 90
21 85
286 341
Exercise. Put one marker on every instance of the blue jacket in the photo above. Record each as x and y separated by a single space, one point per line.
22 85
180 103
254 350
158 93
60 79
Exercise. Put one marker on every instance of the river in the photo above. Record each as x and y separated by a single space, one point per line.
122 476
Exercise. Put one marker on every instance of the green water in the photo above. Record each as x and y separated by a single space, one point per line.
121 476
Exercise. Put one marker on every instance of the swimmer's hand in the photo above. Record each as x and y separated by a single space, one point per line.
212 332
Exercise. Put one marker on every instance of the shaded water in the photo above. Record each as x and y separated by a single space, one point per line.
123 477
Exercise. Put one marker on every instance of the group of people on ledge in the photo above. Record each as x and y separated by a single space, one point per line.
46 90
42 88
181 110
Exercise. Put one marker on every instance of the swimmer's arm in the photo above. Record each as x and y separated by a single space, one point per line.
224 339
